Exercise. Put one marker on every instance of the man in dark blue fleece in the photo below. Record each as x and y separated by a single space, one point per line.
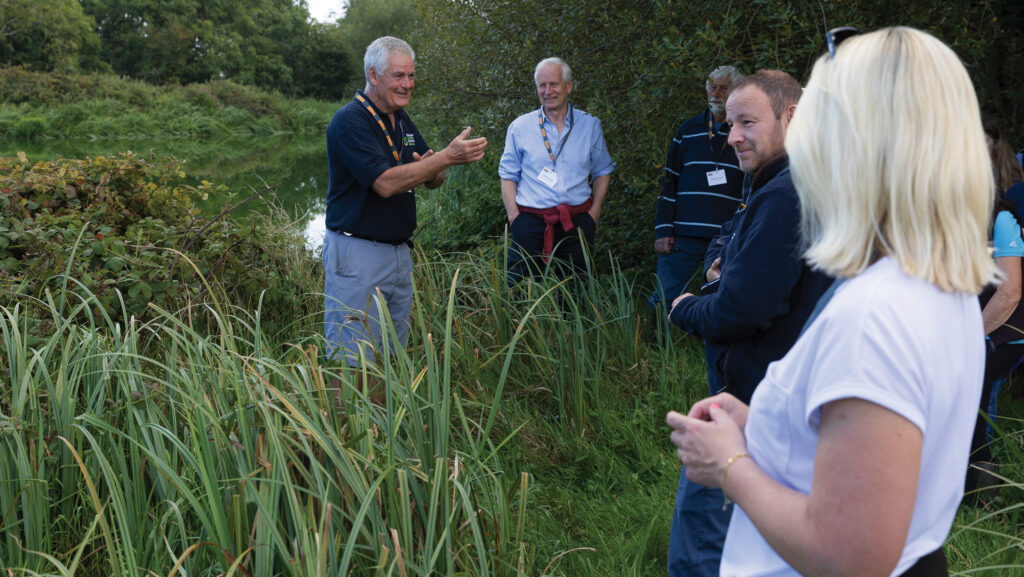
761 296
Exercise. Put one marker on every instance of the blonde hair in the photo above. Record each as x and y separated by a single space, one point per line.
889 159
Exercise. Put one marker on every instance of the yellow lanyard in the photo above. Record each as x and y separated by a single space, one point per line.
711 136
544 133
380 122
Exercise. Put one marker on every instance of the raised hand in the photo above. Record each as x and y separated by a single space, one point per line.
463 150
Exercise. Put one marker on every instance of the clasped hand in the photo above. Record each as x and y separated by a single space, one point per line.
708 436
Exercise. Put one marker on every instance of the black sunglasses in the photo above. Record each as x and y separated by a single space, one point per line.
835 37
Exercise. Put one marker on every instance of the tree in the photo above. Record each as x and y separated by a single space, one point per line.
255 42
44 36
367 20
324 70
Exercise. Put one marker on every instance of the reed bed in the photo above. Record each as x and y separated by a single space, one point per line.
519 433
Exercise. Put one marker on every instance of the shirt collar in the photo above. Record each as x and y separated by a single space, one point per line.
399 113
568 116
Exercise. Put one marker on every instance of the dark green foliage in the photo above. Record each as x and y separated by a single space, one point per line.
271 44
50 35
121 227
640 67
367 20
324 69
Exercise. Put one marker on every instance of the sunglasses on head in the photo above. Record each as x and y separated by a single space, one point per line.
835 37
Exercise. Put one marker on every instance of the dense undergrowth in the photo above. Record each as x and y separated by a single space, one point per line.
199 430
45 106
122 227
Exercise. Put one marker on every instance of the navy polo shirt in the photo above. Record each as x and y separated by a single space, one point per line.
357 154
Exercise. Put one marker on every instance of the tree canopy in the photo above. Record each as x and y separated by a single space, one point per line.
45 36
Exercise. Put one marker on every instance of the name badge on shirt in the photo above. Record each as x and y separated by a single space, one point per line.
410 139
548 177
716 177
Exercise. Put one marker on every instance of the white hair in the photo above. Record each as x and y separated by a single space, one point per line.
889 159
566 71
723 72
378 53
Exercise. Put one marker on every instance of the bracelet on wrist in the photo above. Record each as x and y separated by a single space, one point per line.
725 474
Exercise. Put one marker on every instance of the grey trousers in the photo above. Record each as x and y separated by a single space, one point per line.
356 270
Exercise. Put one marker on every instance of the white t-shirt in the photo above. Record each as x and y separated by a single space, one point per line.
895 341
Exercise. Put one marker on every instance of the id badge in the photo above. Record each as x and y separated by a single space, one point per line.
548 177
716 177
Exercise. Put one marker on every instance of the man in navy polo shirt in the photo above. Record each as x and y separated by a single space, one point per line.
376 157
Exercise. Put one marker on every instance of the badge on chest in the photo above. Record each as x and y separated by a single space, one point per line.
548 177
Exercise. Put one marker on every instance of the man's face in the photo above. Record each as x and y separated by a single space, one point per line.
755 134
393 86
718 92
551 89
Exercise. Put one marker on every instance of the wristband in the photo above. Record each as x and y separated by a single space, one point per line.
725 473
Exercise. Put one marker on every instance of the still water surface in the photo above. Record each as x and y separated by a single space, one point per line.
297 163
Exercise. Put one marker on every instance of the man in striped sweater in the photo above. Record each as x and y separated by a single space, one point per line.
700 190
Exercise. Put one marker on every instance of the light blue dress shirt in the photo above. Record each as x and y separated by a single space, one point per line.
585 154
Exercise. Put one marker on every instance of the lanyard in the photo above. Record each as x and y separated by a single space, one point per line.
380 122
544 133
711 136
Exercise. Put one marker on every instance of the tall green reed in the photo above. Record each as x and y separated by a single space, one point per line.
165 447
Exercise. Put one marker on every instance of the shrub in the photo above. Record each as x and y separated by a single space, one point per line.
121 227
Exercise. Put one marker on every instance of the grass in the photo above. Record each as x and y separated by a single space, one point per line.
42 106
521 434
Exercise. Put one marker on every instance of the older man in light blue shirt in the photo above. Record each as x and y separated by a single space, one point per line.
554 178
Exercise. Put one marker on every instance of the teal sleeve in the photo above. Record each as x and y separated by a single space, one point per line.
1006 239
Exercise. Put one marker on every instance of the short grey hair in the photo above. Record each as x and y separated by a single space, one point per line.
566 71
722 72
379 51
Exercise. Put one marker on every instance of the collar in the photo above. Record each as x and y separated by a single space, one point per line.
708 115
568 115
769 171
359 91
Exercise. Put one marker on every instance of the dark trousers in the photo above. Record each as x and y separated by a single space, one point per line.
999 361
676 269
570 255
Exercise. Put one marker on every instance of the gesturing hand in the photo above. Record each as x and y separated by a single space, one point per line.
465 151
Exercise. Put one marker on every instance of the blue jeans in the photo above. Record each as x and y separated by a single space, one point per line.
676 269
698 530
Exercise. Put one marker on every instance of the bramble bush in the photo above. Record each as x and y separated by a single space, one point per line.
123 228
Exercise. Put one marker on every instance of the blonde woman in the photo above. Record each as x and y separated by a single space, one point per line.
851 456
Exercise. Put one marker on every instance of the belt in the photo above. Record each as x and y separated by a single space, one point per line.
361 237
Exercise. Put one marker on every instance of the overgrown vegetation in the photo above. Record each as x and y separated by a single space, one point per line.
120 227
47 106
521 432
